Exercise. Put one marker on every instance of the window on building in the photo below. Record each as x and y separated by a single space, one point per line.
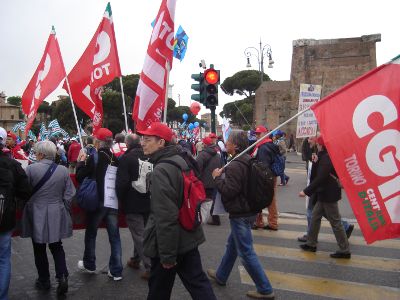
12 117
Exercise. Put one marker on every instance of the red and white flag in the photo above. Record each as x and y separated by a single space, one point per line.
152 87
49 73
365 147
98 65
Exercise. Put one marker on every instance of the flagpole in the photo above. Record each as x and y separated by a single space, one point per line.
167 67
123 104
73 108
267 135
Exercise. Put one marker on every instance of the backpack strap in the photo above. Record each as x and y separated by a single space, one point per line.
45 177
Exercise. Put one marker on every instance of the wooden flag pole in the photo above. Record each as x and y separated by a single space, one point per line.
123 104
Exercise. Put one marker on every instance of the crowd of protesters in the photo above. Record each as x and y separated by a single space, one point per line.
150 191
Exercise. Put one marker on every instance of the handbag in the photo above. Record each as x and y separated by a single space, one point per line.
86 196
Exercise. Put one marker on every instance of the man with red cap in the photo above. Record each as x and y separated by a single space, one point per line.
95 166
265 152
16 150
171 248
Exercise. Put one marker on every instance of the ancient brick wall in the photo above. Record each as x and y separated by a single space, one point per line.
331 63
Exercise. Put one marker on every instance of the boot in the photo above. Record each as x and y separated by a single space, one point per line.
62 287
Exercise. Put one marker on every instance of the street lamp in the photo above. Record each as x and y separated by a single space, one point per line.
265 50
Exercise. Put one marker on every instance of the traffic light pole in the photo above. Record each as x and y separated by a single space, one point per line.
213 124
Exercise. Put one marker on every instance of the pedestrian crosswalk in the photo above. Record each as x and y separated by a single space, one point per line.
373 272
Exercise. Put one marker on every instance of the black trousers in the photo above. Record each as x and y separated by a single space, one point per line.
42 263
191 273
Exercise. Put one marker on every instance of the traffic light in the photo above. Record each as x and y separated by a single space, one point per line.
198 87
211 82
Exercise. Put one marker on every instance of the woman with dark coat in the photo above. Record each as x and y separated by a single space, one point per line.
326 191
46 218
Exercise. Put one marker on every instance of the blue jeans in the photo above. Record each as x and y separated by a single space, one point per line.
310 208
5 263
240 243
93 220
283 176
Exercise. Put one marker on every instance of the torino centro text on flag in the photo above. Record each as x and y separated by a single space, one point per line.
151 90
47 77
98 65
365 147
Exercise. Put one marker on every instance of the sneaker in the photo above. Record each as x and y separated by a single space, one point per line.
83 269
270 228
287 180
308 248
302 238
349 230
42 285
213 275
346 255
115 278
145 275
133 264
257 295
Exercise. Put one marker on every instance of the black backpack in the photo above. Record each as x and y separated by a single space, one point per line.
7 198
260 187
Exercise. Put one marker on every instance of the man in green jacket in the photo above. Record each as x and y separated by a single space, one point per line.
171 248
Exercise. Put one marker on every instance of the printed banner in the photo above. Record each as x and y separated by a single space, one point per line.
98 65
150 93
47 77
360 125
307 123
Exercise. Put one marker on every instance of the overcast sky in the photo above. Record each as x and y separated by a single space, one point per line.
218 30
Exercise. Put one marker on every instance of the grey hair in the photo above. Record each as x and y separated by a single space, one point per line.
47 148
119 138
108 143
132 140
239 139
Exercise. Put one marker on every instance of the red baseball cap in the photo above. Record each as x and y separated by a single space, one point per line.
11 135
158 129
103 133
320 140
207 141
212 135
261 129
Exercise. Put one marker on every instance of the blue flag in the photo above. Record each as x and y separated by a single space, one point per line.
180 43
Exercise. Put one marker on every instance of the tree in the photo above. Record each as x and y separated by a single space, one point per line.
62 111
240 111
243 83
14 100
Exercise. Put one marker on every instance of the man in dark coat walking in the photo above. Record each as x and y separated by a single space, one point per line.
135 205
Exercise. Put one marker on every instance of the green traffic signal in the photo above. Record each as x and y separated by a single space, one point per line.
198 87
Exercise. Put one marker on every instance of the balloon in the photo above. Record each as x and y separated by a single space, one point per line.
191 126
185 117
195 108
196 124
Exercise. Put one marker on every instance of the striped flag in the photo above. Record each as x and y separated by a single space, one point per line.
32 135
43 132
55 128
64 133
18 126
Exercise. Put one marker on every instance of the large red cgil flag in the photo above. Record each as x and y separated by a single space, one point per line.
49 73
152 87
361 129
98 65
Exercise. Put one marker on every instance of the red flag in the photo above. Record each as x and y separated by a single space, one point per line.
150 94
98 65
365 147
47 77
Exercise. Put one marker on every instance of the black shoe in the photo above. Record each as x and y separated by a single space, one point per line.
341 255
308 248
62 287
270 228
349 230
42 285
287 180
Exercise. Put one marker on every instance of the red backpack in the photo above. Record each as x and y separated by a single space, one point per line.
194 196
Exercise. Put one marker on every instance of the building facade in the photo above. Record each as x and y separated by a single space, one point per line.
331 63
9 114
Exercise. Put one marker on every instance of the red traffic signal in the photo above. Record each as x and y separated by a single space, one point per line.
211 76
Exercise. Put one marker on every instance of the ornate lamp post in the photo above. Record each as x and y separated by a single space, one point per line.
264 50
